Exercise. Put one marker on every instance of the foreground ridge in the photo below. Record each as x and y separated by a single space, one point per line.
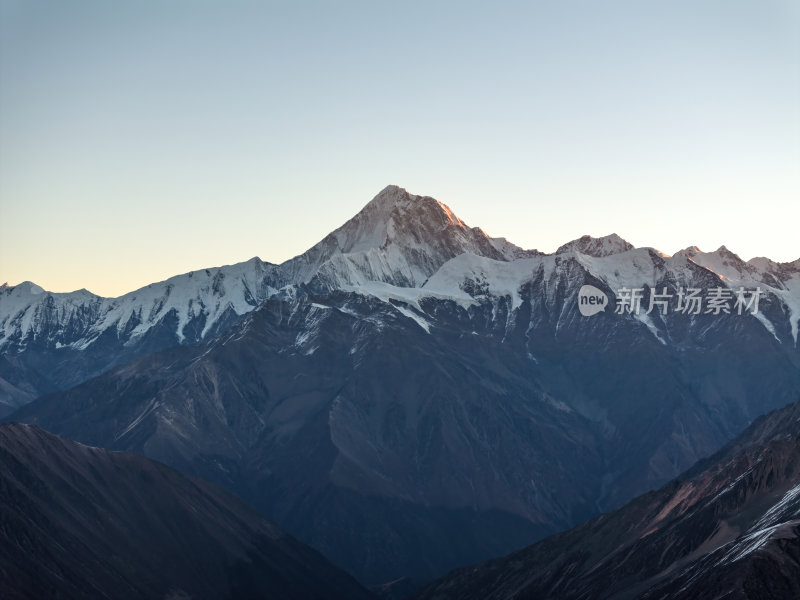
730 527
82 522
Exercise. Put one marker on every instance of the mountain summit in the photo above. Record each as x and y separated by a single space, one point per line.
397 238
607 245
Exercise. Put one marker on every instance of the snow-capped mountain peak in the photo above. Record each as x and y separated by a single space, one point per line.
598 247
763 264
26 288
397 238
721 261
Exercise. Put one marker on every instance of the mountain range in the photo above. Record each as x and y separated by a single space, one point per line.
411 395
52 341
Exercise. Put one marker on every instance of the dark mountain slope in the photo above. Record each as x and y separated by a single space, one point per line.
82 522
729 529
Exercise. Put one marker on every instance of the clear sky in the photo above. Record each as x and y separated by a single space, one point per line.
143 139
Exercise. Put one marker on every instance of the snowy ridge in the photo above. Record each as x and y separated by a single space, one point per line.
598 247
400 247
469 279
780 279
76 319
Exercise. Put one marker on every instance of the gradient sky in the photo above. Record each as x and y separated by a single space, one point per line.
143 139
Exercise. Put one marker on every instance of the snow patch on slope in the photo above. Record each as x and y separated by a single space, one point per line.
484 275
414 317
